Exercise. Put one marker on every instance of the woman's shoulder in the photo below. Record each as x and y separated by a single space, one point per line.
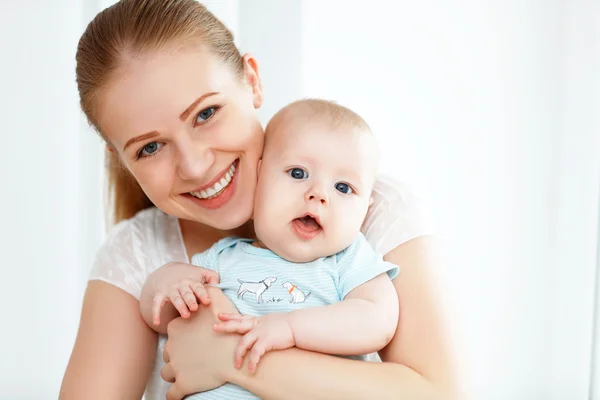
137 246
145 225
389 189
147 219
397 214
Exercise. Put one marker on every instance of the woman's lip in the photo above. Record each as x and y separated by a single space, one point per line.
222 198
217 179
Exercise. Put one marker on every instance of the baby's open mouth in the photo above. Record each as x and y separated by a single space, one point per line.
307 226
309 223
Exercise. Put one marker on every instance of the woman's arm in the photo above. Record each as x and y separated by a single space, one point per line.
114 350
417 362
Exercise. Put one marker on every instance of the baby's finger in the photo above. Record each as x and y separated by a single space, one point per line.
178 303
229 317
201 293
157 304
258 350
189 297
237 317
246 342
240 327
211 277
175 393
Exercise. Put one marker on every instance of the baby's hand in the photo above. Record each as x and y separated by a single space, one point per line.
181 284
261 334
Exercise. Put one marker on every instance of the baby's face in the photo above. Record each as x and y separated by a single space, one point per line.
314 188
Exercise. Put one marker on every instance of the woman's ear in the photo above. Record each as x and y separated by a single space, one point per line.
252 78
110 148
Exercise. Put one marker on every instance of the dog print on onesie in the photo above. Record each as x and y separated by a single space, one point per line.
258 288
258 281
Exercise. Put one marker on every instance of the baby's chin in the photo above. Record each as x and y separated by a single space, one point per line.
298 257
305 252
291 251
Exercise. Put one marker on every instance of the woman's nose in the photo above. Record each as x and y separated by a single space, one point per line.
317 193
193 163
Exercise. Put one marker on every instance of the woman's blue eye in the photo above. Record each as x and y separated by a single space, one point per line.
343 188
149 149
298 173
205 114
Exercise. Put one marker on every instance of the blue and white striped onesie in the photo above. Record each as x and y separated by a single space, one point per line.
260 282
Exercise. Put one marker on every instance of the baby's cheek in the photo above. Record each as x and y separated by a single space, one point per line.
347 227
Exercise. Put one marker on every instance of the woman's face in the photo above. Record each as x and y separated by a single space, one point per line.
186 127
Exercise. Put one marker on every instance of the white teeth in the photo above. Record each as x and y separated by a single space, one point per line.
217 187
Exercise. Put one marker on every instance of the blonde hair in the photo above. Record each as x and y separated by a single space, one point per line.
132 27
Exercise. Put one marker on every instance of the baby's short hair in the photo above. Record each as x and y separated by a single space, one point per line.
326 110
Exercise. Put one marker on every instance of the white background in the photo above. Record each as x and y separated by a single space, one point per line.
489 109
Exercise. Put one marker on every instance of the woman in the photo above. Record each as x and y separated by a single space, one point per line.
163 83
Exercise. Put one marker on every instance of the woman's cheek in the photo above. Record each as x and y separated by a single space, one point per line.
156 181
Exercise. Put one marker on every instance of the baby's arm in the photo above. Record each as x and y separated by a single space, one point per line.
364 322
173 290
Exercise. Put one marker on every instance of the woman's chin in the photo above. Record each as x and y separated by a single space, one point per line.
229 219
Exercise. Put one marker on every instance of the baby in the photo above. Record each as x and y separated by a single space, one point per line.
310 279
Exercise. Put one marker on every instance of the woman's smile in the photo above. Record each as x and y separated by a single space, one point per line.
217 185
217 193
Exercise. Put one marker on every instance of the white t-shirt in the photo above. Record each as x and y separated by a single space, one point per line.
138 246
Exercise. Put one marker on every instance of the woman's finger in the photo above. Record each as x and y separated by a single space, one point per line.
167 373
178 303
189 297
201 293
246 342
157 305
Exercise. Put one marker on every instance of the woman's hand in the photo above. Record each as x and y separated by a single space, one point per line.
197 358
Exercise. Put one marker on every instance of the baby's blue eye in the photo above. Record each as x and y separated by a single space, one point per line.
298 173
205 114
343 188
149 149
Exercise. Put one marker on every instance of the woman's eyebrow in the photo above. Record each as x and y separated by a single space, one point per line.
140 138
184 115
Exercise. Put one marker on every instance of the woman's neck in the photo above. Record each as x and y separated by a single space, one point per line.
199 237
193 228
